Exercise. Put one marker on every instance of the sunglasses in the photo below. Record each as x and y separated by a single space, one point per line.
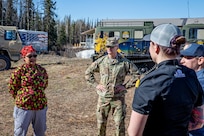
110 47
32 55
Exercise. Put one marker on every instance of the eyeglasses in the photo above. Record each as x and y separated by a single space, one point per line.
32 55
110 47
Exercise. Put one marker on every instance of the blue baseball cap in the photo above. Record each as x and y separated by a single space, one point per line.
193 50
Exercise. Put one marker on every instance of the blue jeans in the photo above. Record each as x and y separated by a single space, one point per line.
23 118
197 132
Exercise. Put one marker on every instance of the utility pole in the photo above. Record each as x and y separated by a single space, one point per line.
28 21
80 33
2 12
188 9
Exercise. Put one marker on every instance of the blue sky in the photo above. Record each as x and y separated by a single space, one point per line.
129 9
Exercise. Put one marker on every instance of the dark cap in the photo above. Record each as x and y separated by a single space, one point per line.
193 50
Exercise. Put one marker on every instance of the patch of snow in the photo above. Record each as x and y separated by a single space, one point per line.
85 54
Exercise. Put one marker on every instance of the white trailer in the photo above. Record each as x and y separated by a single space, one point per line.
38 39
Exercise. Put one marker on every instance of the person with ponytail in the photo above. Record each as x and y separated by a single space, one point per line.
163 102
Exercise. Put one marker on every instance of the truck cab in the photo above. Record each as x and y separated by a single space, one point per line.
131 43
194 33
10 46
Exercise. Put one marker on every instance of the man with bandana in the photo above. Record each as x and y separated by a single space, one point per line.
27 85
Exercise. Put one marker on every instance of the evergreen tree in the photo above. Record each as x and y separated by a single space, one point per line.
41 16
49 22
62 35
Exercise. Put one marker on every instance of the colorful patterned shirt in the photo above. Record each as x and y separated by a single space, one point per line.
27 85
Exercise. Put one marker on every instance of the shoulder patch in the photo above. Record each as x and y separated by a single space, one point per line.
179 74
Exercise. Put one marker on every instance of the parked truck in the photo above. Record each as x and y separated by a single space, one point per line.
12 40
132 44
10 46
194 33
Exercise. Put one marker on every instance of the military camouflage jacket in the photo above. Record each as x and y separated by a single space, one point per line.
112 73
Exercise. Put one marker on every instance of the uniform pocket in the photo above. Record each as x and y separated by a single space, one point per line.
101 93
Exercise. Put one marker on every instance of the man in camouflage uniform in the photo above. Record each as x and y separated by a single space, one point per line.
111 88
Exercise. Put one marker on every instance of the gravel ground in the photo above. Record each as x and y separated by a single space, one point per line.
71 103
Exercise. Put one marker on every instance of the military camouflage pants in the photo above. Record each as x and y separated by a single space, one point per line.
118 108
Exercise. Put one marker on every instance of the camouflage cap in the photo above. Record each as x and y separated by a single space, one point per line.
112 41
